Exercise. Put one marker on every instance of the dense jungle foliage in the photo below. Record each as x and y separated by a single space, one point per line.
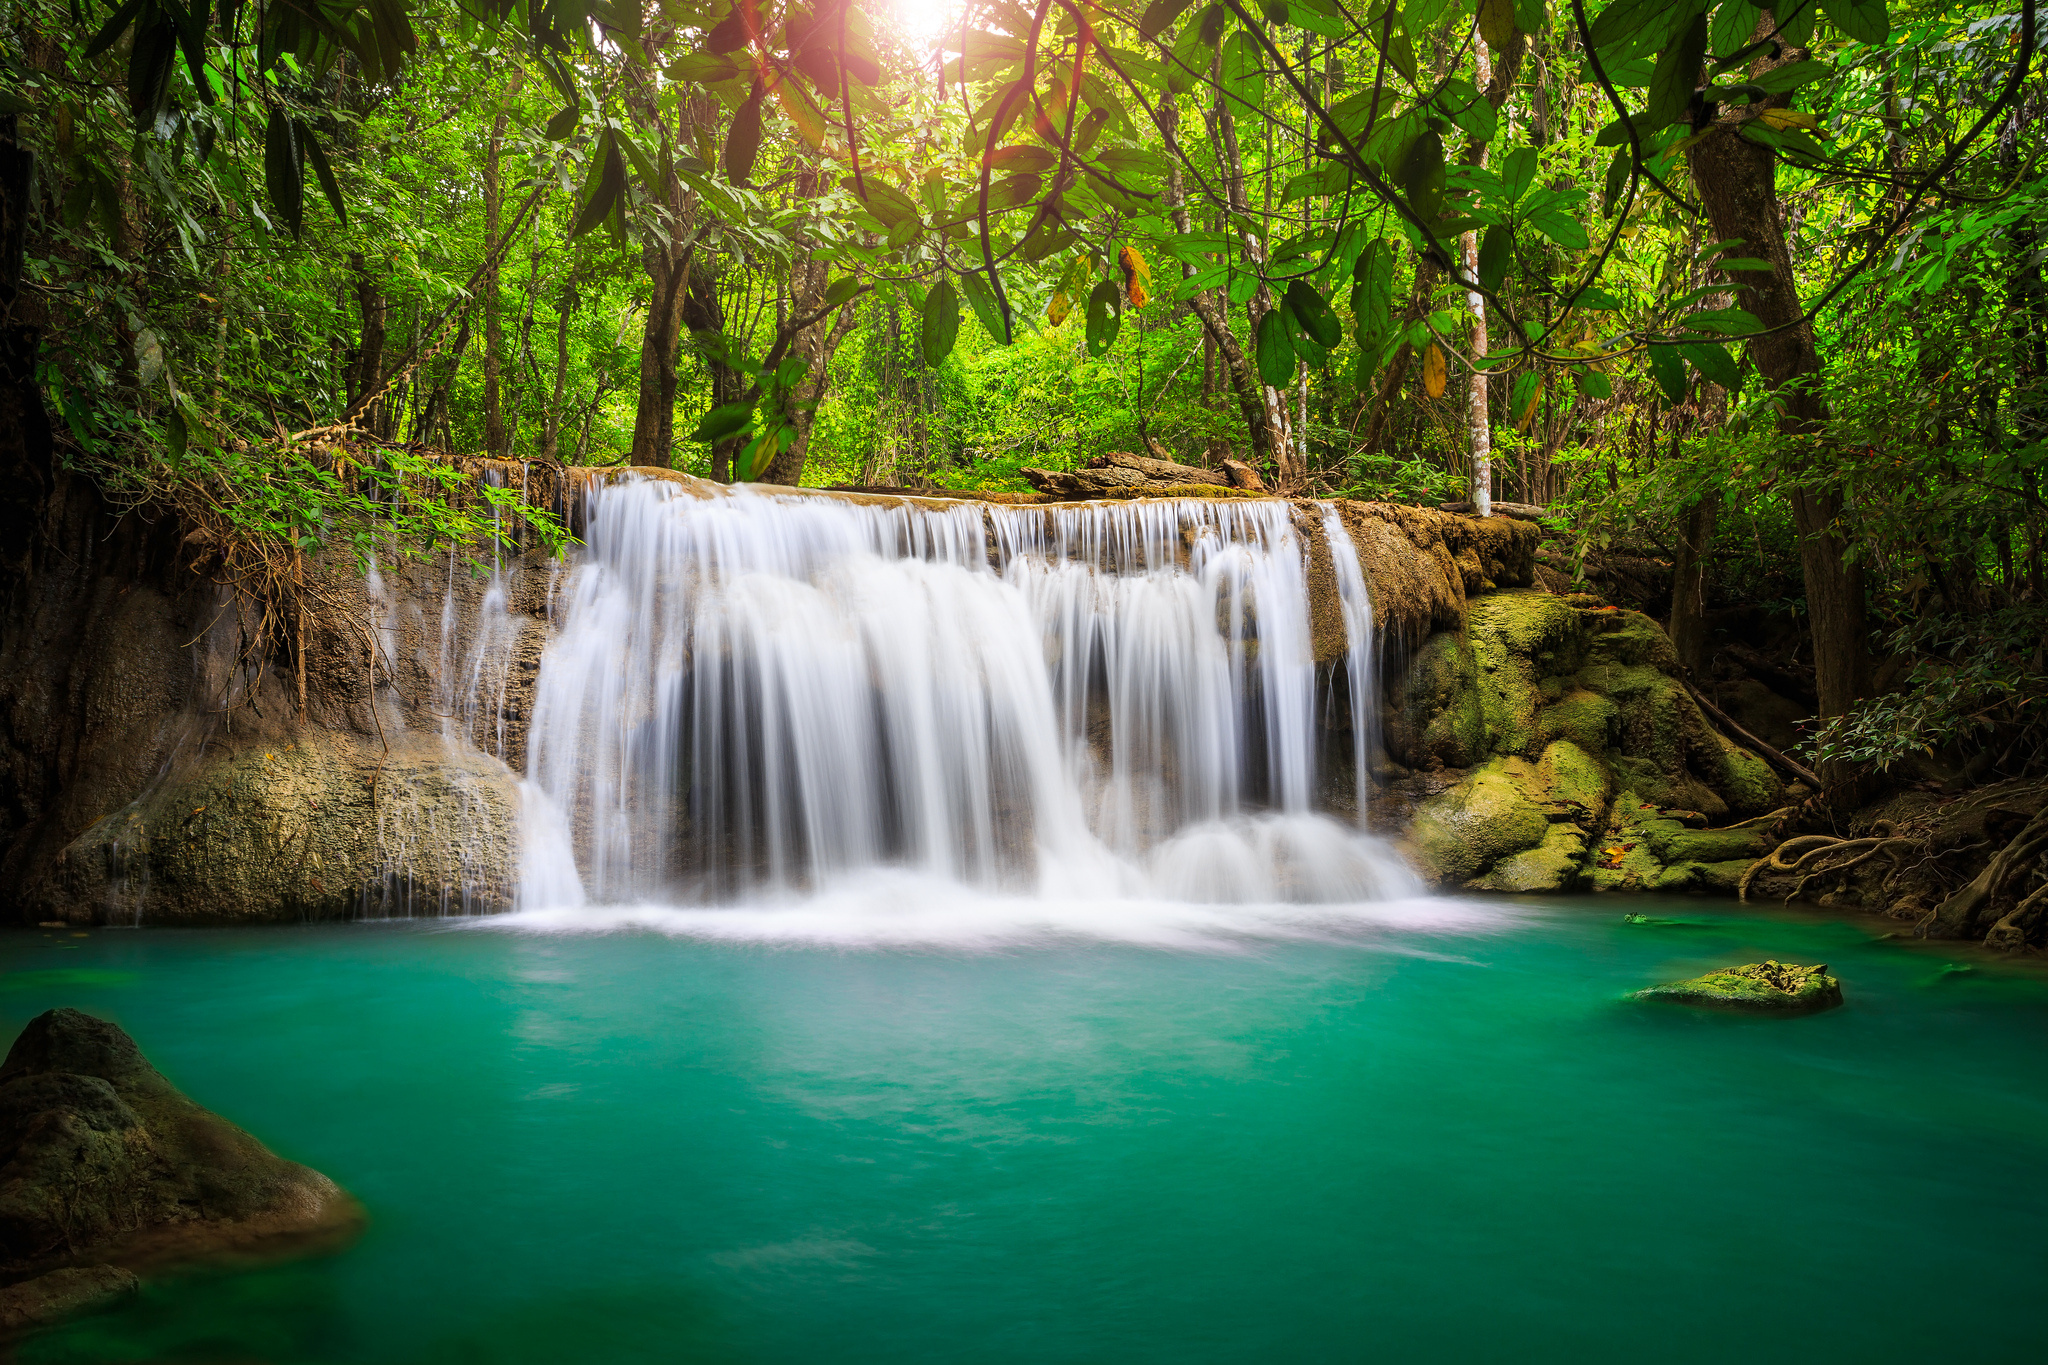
1759 296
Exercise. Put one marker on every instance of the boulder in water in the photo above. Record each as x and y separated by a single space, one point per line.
1768 987
106 1168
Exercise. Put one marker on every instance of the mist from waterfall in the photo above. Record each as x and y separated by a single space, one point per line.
755 698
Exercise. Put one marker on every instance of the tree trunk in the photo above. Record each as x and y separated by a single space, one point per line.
1237 368
494 336
1689 587
1737 183
366 376
27 453
1278 445
551 420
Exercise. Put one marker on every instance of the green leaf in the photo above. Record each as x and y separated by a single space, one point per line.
1105 316
283 172
1598 299
941 322
325 173
1592 383
1159 17
1523 394
1714 364
176 434
743 143
563 123
111 31
1242 80
1422 175
1313 314
1616 183
1734 22
1677 74
1529 16
1733 263
604 188
1562 228
1669 371
1275 351
982 300
1863 20
1372 298
842 289
1791 76
1727 321
1022 158
1628 28
1517 173
728 419
1496 254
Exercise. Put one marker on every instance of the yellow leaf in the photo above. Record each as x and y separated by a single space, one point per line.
1790 118
1056 311
1529 410
1434 376
1137 275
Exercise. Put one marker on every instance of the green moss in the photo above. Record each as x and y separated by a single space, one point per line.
1461 833
1630 638
1585 718
1569 774
1518 638
1553 865
1745 781
1768 987
1440 715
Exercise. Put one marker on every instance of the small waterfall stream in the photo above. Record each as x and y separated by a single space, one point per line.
754 695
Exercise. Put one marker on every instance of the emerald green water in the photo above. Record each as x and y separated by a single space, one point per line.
1435 1136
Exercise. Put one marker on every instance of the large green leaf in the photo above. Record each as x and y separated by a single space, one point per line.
1668 369
982 300
1714 363
1159 17
1313 313
743 142
1105 316
1677 74
1496 253
725 420
1727 321
1863 20
941 322
1275 351
1422 175
1517 173
283 172
1497 22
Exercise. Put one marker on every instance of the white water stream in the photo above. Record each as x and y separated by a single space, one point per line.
753 698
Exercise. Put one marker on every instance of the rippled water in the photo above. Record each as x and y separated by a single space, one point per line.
890 1126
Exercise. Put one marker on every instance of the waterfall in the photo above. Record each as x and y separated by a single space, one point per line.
755 694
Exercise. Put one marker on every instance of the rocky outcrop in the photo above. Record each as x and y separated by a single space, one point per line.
1768 987
1585 762
105 1169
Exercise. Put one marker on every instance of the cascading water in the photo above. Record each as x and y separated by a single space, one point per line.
752 695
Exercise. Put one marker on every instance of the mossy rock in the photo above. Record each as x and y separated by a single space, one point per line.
1439 716
1584 717
1569 774
1461 833
1553 865
1768 987
1518 640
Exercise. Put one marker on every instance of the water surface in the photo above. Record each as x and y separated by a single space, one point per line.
1430 1131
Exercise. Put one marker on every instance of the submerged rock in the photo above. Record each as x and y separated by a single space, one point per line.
1767 987
62 1294
106 1168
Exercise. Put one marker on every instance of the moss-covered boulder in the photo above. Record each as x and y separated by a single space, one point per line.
1648 847
1514 825
104 1163
1768 987
1562 704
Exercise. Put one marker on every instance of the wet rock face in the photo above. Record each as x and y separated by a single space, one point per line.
1768 987
104 1163
324 825
1588 765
